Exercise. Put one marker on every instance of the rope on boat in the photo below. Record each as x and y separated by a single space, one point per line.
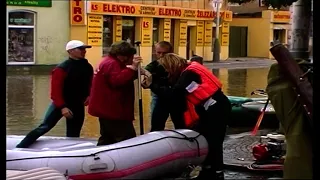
184 137
44 173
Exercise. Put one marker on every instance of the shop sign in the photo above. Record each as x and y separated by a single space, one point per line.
183 32
95 25
280 16
35 3
200 33
208 33
154 11
166 29
118 28
146 32
225 27
77 12
225 40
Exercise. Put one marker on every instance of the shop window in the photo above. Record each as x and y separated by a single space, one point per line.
279 35
155 37
107 39
128 29
21 37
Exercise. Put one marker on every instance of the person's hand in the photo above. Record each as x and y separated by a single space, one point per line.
86 103
136 61
146 82
67 113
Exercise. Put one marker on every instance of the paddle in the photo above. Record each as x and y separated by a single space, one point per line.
256 127
137 43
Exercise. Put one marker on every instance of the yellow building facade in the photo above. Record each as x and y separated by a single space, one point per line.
272 25
36 33
188 25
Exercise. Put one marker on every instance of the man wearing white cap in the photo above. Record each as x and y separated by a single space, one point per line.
70 88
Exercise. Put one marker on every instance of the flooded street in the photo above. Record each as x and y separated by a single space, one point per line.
28 97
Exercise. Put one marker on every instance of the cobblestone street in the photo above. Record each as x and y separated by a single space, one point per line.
238 155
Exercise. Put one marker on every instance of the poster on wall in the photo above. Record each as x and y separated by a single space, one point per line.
35 3
146 32
118 28
183 32
95 23
225 40
208 33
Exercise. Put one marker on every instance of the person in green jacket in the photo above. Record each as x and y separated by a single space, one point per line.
294 123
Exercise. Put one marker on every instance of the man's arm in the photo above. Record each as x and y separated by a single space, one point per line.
57 83
117 77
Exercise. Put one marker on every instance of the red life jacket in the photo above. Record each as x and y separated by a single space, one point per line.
210 84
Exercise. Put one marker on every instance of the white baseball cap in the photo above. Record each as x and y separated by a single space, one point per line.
76 44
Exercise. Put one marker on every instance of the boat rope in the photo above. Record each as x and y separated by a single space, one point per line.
184 137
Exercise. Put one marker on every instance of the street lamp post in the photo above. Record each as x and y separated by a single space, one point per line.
216 45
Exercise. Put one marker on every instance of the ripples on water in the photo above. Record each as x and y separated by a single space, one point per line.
28 98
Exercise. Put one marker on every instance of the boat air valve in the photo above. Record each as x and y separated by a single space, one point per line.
96 157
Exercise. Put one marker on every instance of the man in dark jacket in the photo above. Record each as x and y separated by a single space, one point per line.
112 93
70 89
161 106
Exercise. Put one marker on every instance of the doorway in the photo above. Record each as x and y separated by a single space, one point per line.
128 29
238 41
188 56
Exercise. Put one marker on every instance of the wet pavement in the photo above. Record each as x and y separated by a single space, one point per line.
241 63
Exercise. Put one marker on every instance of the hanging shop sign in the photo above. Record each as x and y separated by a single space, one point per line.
146 32
280 16
35 3
225 40
77 12
166 29
208 33
200 33
183 33
98 7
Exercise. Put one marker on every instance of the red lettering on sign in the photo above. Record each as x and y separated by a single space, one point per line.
77 18
146 24
122 9
169 12
77 10
205 14
94 6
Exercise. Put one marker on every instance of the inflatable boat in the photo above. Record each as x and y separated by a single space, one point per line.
245 112
152 155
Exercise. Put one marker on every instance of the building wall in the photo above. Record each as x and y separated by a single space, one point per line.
261 31
258 41
51 33
199 27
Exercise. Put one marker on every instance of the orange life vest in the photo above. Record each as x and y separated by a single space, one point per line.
201 92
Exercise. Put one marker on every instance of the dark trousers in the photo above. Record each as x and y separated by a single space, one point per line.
212 125
113 131
52 116
161 110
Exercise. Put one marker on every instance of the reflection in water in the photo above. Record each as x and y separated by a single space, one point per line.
28 98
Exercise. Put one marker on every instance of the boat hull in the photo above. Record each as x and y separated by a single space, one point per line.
147 156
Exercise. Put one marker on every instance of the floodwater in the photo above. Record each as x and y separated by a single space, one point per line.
28 98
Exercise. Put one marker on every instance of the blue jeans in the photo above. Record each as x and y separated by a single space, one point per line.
52 116
160 111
